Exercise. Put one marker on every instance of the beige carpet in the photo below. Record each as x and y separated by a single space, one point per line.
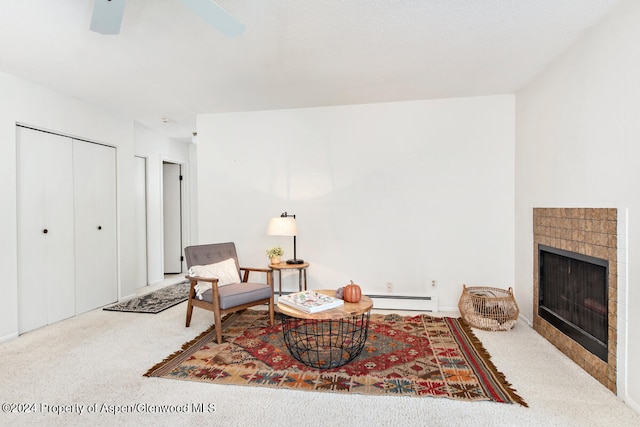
95 362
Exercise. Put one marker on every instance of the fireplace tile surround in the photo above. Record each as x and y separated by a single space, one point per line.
594 232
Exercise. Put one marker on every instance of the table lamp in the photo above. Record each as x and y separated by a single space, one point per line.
285 225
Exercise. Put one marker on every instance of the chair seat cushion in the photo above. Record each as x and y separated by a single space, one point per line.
239 293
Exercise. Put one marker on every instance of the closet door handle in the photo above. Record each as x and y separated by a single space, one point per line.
45 231
99 227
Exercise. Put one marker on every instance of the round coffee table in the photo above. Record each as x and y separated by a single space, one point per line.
330 338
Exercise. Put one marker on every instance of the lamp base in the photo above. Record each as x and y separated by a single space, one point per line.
295 261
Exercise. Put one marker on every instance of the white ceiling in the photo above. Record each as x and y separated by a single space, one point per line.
166 61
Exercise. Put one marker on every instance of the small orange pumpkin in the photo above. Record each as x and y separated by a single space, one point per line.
352 292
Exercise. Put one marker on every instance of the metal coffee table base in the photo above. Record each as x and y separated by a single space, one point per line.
325 343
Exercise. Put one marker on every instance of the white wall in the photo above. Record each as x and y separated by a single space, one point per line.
578 128
156 149
30 104
401 192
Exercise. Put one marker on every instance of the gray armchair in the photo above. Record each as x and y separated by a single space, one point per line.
230 297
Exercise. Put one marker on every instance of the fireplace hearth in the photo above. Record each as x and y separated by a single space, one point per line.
573 296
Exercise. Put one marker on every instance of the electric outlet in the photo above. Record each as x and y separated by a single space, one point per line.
434 284
389 287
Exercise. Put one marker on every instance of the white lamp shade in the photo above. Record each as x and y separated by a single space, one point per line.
282 227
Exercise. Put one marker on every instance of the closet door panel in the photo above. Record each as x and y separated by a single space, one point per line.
45 229
95 225
107 254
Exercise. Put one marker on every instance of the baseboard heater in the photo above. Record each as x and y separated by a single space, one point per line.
405 302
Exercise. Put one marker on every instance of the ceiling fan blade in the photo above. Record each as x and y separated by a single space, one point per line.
107 16
215 16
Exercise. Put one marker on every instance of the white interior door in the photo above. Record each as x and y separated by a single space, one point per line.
96 275
172 217
46 290
140 182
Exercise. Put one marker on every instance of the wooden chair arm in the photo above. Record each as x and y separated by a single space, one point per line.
247 270
202 279
194 281
260 270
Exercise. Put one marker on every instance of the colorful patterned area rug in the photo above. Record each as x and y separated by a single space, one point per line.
156 301
404 356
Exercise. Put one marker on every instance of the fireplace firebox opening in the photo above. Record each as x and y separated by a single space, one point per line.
573 296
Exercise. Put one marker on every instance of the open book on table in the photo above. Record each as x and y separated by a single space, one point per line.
310 301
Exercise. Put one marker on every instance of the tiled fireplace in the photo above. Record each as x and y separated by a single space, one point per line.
586 231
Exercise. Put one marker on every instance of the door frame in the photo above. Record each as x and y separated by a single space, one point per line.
146 218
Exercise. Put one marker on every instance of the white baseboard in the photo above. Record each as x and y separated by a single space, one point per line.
127 297
405 302
9 337
632 404
525 320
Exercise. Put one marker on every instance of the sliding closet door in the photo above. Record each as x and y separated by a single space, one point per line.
45 229
95 225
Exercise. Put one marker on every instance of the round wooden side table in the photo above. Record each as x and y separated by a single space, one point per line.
302 273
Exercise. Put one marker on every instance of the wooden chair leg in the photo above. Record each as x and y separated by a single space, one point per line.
218 324
271 312
271 304
192 293
189 312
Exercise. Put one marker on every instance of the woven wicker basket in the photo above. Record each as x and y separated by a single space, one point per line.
490 309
